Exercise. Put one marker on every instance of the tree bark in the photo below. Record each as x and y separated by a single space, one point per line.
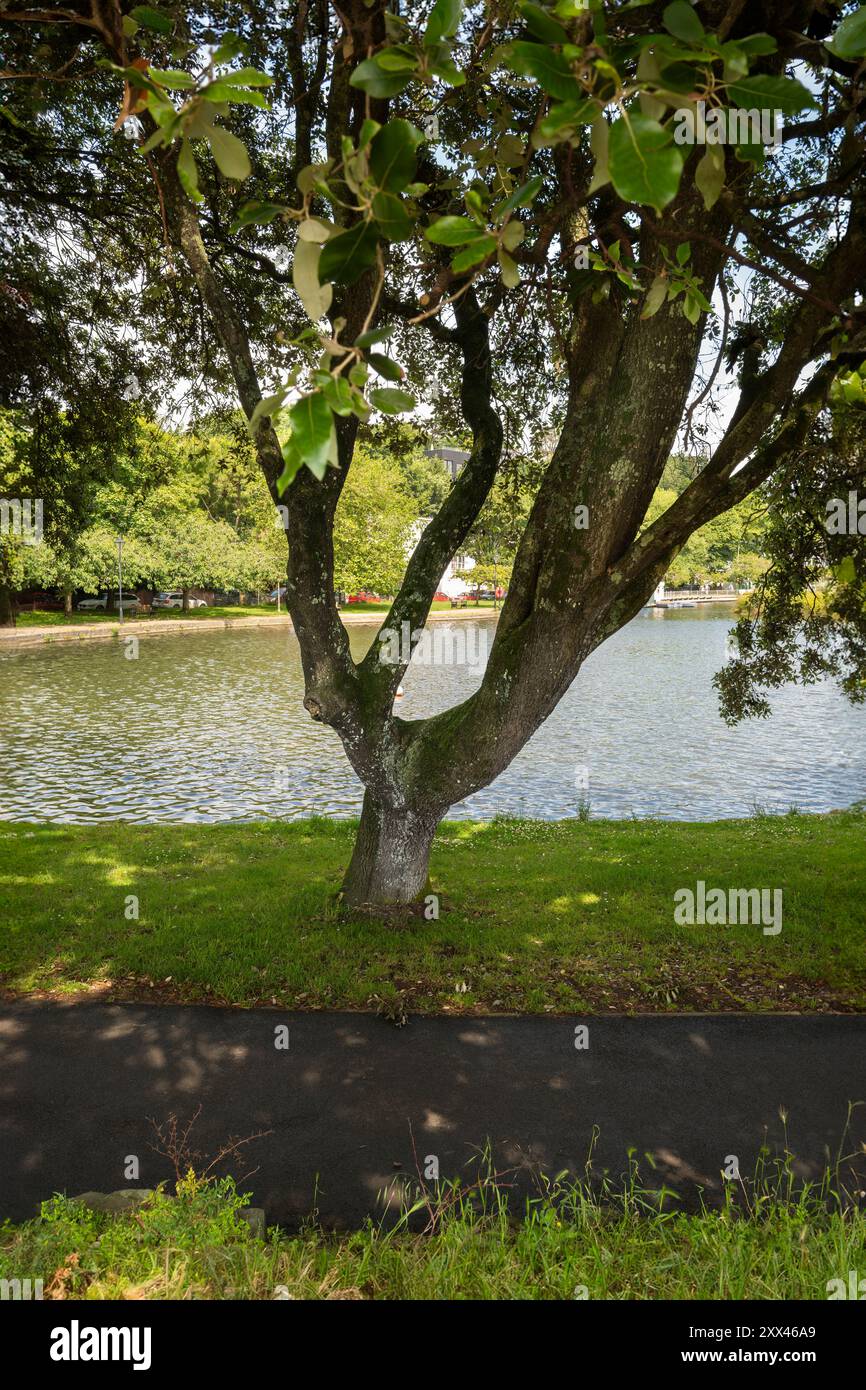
7 606
67 603
389 864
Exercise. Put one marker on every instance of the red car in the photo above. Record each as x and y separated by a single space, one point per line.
364 596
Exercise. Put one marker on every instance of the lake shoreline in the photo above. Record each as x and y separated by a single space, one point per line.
149 627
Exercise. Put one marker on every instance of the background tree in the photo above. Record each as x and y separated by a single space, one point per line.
372 526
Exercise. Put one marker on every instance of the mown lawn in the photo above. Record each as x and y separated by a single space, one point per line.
534 916
51 618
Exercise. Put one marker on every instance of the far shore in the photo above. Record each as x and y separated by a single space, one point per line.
24 636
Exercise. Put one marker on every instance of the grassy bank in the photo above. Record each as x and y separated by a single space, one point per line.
563 917
561 1246
51 618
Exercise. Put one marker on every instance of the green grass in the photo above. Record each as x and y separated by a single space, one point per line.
534 916
438 605
46 618
565 1243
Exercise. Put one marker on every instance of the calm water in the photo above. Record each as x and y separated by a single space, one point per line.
209 726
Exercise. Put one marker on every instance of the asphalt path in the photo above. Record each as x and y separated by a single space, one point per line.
355 1105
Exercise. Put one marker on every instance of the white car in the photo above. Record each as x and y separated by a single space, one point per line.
173 598
131 604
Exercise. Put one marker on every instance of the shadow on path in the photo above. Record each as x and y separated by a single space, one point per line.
79 1084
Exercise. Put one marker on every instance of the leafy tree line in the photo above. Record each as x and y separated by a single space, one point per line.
335 214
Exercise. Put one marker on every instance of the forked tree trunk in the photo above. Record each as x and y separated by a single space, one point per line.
389 863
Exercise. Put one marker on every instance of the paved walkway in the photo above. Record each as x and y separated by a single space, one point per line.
80 1082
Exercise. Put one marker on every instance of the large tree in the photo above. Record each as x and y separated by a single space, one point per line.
555 214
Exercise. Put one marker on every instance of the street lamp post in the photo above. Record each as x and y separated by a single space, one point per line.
120 576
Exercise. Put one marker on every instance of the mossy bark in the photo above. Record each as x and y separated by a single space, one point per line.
389 864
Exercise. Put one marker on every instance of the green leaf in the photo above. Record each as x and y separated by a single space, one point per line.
392 155
655 297
441 65
521 197
339 394
510 270
187 171
473 254
391 401
453 231
246 77
368 130
680 20
512 234
565 116
783 94
349 254
758 44
540 23
375 335
312 423
391 215
849 40
315 297
256 211
599 143
221 91
373 80
314 229
710 175
231 46
230 153
397 59
149 18
691 308
293 462
385 366
549 69
443 22
645 165
171 78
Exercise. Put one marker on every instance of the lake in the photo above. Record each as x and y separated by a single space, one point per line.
209 726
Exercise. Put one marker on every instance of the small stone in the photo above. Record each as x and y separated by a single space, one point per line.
116 1203
255 1219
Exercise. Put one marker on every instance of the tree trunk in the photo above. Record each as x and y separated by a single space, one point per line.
391 856
67 603
185 601
7 606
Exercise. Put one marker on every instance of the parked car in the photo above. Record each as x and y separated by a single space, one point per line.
272 596
173 598
364 596
226 599
110 603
